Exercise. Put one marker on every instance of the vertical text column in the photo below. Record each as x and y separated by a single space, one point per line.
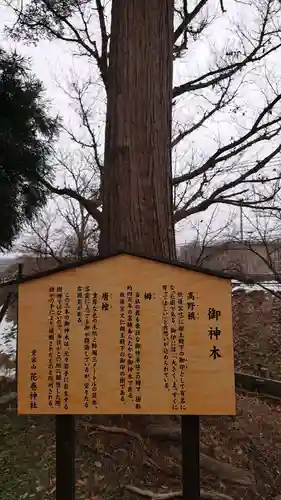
138 351
51 339
66 341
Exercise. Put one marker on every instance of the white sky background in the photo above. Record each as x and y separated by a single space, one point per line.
54 61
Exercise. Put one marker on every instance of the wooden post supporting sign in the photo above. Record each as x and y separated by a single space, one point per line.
190 429
65 457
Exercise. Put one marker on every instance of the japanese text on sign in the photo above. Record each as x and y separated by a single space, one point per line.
109 345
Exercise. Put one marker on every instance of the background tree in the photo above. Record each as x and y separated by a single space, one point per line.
26 135
262 240
65 230
220 88
62 232
206 239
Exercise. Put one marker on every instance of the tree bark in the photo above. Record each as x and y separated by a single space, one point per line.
136 184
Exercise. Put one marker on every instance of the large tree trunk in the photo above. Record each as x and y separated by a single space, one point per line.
136 186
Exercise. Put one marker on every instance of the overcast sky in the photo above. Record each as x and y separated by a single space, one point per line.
53 62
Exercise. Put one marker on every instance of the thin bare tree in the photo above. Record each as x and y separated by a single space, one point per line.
64 230
61 232
262 242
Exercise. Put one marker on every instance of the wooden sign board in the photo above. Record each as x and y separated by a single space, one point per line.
126 335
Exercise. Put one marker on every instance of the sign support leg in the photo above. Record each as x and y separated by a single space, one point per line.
190 428
65 457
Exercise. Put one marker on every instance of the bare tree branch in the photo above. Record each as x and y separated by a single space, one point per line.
201 248
86 123
90 205
244 142
66 230
265 244
91 48
225 99
260 51
42 247
216 196
188 17
32 19
104 41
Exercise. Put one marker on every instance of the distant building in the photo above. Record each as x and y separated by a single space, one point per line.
253 259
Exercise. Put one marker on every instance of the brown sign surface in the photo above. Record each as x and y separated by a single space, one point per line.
126 335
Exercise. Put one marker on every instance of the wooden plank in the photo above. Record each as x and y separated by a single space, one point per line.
164 333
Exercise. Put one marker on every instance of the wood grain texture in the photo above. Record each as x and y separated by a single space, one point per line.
136 184
209 383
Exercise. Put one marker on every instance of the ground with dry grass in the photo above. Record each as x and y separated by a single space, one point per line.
243 455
